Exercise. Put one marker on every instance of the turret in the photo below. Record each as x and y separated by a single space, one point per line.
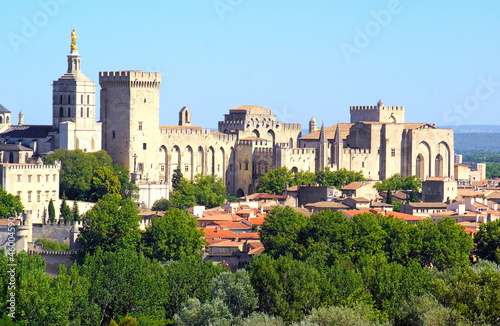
312 125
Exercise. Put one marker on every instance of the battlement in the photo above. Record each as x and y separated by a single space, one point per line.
130 78
356 151
21 166
302 151
376 108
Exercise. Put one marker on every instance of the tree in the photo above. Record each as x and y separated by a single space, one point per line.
10 205
65 211
104 181
487 241
125 281
161 204
389 197
236 291
77 175
52 211
275 181
286 287
303 178
398 182
360 314
339 178
173 236
210 191
443 244
184 196
75 213
112 224
213 313
280 232
176 178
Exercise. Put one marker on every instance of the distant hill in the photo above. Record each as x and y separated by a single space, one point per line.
477 142
473 128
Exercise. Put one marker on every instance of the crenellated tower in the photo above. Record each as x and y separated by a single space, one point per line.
130 102
378 113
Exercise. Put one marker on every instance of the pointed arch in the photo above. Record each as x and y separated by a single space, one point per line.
188 163
200 159
271 136
211 160
438 166
256 133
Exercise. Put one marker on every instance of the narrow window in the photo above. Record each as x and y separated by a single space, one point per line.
18 178
69 112
114 134
29 178
88 99
60 99
38 178
81 112
29 196
81 99
69 99
393 152
140 125
38 195
61 112
88 112
144 146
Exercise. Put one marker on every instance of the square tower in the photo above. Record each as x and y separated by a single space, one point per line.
130 116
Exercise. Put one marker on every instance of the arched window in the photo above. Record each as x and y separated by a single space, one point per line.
60 99
88 99
81 112
61 112
81 98
69 112
88 112
69 99
7 120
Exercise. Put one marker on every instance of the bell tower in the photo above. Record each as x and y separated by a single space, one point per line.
73 106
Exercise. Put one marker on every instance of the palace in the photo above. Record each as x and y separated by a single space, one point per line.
249 140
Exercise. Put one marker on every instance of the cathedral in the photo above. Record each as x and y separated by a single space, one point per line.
249 141
73 119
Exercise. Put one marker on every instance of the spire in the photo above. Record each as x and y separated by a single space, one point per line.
380 103
21 118
73 57
322 133
337 133
312 125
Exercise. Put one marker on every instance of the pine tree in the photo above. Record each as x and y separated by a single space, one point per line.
65 211
389 197
75 212
176 178
52 212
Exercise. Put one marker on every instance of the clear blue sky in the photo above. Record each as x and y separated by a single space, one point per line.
439 59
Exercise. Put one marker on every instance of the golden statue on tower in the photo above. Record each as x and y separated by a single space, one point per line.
73 40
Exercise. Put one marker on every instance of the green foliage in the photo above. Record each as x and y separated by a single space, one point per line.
389 197
10 205
52 245
360 314
176 178
280 232
396 206
52 211
75 213
125 281
207 190
275 181
303 178
161 204
88 176
473 293
236 292
173 236
211 313
103 182
65 211
398 182
210 191
426 310
112 224
443 244
261 319
188 277
286 287
487 241
339 178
